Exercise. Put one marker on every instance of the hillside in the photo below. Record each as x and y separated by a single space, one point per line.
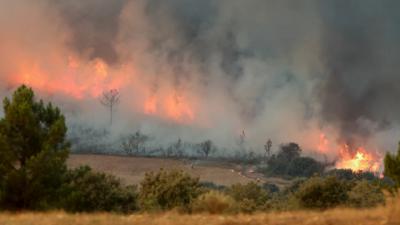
132 169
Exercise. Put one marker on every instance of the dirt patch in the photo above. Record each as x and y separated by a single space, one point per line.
132 169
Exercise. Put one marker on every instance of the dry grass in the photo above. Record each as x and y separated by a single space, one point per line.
389 215
132 169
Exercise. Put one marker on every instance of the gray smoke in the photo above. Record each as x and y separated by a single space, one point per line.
277 69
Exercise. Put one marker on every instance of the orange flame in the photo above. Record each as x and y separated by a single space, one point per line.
358 160
173 106
355 159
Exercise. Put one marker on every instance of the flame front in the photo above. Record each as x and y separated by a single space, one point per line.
173 106
356 159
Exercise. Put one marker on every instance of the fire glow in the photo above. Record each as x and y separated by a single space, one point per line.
356 159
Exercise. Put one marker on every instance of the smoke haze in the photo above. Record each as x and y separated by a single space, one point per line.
196 70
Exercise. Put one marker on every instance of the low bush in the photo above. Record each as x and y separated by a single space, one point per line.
88 191
167 190
250 197
365 194
214 202
322 193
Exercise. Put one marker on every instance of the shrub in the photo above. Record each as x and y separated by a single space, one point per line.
392 167
88 191
168 189
249 197
288 163
33 151
212 186
322 193
304 167
364 194
214 202
270 188
350 175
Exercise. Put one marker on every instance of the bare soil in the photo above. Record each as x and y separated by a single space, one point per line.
131 170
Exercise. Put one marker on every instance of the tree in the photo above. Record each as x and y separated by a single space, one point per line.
267 148
392 166
134 144
110 99
33 151
289 151
206 148
176 149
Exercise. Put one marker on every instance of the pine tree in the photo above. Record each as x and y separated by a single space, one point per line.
33 152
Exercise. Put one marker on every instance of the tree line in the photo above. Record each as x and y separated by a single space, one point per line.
34 176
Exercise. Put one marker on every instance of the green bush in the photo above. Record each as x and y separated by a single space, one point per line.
168 189
365 194
88 191
214 202
250 197
322 193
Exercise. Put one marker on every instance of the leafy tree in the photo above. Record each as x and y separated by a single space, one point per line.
304 167
392 166
288 162
167 190
33 151
289 151
88 191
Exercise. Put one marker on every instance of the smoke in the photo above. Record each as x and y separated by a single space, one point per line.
207 69
361 61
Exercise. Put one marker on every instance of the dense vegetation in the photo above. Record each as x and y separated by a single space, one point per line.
34 176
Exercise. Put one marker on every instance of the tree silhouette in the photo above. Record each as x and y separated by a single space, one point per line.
267 148
109 99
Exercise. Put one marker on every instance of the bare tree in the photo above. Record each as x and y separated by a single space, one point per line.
206 148
267 148
175 149
110 99
135 144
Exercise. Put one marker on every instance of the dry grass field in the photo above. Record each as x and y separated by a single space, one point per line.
132 169
389 215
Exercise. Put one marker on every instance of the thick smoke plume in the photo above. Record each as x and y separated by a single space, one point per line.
196 70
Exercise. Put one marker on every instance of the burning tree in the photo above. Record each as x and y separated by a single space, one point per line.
110 99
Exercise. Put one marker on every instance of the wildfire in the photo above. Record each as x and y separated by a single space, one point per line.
355 159
360 159
173 106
